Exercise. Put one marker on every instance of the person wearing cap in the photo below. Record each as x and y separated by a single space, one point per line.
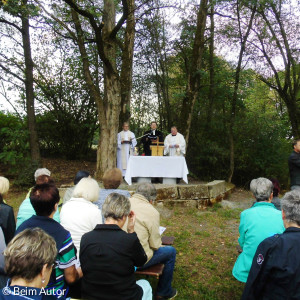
258 222
26 209
69 192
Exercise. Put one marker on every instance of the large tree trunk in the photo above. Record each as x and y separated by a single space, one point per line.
109 106
33 137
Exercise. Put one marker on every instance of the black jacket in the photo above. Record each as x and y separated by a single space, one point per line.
294 167
7 222
147 140
108 256
275 270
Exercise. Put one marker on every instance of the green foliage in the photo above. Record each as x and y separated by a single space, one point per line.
25 175
14 150
60 133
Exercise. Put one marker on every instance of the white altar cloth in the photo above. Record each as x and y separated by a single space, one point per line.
156 166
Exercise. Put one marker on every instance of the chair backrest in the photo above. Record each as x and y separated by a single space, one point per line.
2 247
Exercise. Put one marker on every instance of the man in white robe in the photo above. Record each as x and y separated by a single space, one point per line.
126 144
174 143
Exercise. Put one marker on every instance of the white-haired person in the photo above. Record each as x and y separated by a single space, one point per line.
275 270
260 221
109 255
26 209
7 218
29 259
80 215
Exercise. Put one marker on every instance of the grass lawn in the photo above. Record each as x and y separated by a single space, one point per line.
206 252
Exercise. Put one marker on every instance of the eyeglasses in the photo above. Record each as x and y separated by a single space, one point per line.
54 265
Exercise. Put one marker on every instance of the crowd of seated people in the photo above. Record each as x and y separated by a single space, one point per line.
117 254
101 259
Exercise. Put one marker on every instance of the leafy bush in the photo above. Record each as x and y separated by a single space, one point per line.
14 150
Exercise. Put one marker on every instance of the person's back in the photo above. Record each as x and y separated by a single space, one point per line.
45 199
80 215
26 211
105 192
146 224
107 256
275 270
260 221
284 266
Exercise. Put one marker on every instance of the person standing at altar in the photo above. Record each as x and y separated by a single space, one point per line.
174 143
126 144
151 136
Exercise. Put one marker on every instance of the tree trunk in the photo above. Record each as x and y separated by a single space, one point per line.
193 84
211 92
243 40
33 137
109 105
127 60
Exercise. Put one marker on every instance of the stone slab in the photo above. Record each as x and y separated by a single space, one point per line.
166 192
216 188
195 192
182 203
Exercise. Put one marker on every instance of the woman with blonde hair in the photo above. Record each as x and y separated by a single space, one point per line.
29 259
80 215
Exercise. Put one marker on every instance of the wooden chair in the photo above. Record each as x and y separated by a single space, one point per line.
156 270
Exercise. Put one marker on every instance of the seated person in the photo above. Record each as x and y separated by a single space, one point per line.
26 210
7 217
111 180
275 270
258 222
108 256
69 192
276 190
147 230
29 259
80 215
44 199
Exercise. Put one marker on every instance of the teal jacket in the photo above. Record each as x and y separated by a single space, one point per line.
26 210
260 221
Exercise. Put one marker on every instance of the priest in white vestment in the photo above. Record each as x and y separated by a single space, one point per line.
126 144
174 143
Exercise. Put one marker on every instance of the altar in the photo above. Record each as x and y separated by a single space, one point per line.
167 167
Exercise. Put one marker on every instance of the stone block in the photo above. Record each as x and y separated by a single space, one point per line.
164 192
182 203
216 188
203 204
194 192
